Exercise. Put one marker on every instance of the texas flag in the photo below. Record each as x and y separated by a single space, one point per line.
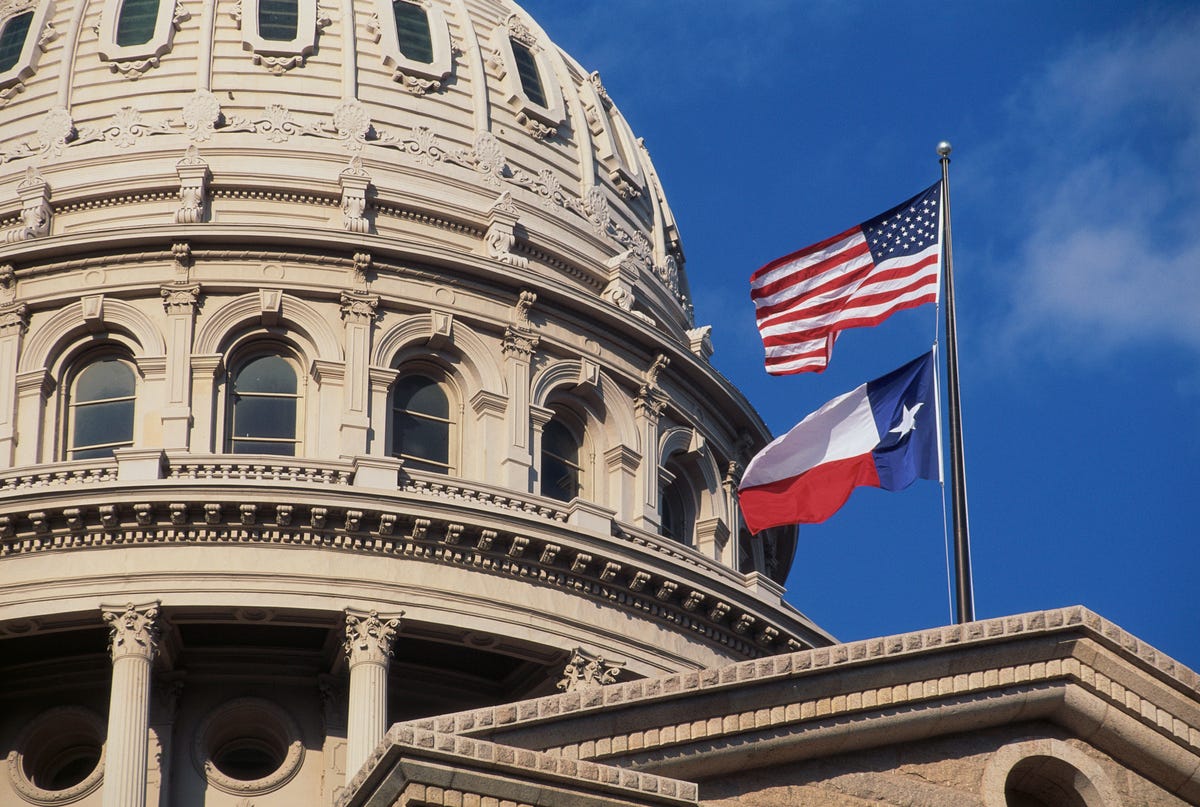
882 434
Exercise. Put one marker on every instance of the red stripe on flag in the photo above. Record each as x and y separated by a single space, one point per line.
801 253
811 497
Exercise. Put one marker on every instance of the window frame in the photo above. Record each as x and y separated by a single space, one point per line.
547 116
275 52
429 76
159 43
441 379
76 368
26 64
243 357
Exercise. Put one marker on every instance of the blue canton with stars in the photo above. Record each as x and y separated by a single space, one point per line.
908 228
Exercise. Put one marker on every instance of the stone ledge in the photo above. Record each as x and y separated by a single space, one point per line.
411 762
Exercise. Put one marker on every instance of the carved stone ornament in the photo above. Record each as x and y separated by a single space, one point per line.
352 123
359 307
588 670
193 187
14 316
501 233
201 114
133 631
55 131
35 207
180 298
519 31
369 636
355 181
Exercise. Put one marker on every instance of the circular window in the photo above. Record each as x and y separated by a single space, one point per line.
59 757
1045 773
248 745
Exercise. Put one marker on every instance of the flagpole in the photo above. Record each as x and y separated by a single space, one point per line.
965 599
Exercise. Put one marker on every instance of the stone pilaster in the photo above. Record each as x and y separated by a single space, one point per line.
358 314
133 643
368 647
14 321
179 300
520 341
651 401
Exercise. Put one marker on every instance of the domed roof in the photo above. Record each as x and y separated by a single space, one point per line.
448 122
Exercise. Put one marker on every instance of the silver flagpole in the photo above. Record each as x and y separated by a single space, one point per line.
958 475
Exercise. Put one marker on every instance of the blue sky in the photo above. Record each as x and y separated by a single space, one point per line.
1076 205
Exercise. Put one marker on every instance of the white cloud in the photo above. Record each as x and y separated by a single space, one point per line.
1110 147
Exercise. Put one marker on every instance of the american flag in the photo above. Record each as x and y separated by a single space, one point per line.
854 279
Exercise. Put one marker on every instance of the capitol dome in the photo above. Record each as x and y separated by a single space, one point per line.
349 376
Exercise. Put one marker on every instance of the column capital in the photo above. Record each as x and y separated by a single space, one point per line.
369 636
180 298
134 630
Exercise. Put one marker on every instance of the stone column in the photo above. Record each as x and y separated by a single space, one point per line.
133 644
368 646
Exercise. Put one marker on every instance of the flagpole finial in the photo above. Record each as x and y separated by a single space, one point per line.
943 148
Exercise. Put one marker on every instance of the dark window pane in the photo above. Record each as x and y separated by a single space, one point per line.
284 449
674 515
421 437
12 39
412 31
559 480
135 23
417 393
278 19
103 423
531 81
560 462
104 379
558 440
267 374
264 416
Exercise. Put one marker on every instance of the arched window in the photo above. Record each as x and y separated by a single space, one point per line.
13 32
413 34
677 509
278 20
562 473
136 22
422 424
264 402
101 402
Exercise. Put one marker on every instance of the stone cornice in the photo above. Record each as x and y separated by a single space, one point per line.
671 585
1067 666
488 773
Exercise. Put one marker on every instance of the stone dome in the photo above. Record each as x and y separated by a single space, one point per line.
347 375
336 131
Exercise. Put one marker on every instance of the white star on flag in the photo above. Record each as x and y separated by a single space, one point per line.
908 421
